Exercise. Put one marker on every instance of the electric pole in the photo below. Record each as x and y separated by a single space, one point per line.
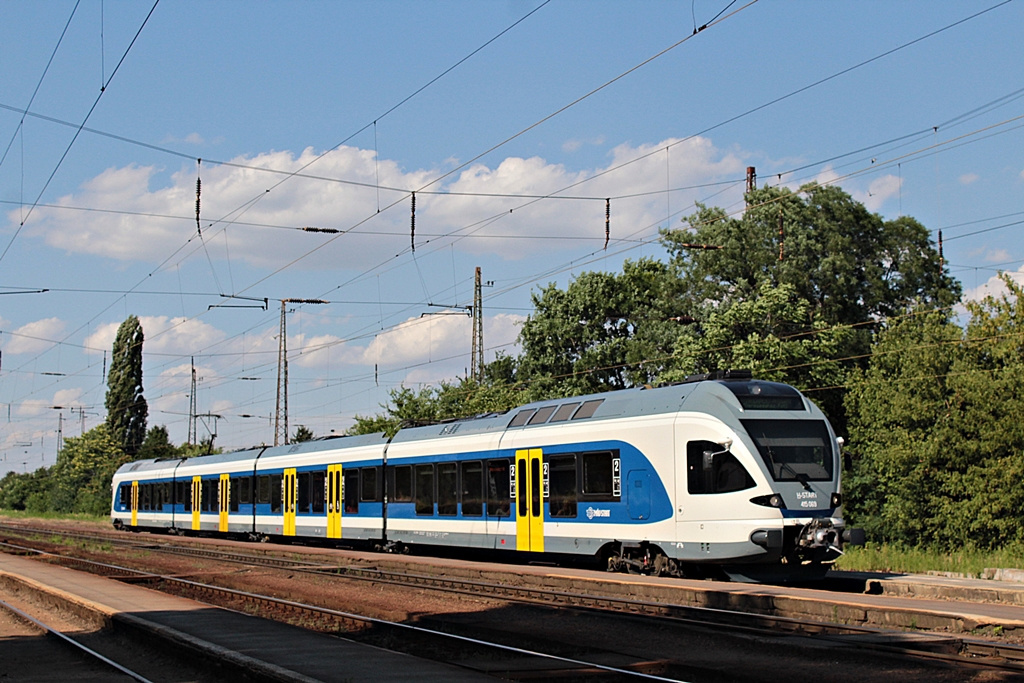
281 410
477 358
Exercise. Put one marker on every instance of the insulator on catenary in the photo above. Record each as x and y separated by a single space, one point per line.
412 225
329 231
199 191
607 222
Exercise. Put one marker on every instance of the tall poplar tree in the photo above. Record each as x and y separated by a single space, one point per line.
126 406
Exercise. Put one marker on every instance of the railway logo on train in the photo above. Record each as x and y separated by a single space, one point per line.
719 474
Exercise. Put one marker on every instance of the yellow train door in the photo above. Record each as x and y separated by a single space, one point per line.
135 503
197 498
529 500
334 498
289 499
225 500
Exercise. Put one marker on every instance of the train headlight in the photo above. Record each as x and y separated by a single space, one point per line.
836 501
772 500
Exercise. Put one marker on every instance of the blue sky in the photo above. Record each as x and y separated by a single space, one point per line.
476 106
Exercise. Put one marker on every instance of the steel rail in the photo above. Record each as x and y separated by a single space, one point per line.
64 638
972 651
345 617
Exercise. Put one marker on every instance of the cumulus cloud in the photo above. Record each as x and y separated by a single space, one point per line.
162 335
442 341
969 178
36 336
159 215
64 398
994 286
879 191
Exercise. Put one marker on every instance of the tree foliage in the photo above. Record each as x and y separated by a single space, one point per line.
126 406
434 404
848 263
937 443
85 466
605 331
302 433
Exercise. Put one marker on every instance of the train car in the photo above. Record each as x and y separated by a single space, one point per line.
720 473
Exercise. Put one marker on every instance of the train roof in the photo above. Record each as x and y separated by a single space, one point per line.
700 393
751 394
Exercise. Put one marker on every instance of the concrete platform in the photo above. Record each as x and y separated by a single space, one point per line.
263 646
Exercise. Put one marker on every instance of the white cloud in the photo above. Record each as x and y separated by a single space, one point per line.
64 398
162 335
969 178
267 233
880 190
35 337
994 286
443 341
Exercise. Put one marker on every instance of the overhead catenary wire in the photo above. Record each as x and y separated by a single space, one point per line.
78 132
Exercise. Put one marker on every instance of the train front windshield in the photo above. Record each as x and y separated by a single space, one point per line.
794 450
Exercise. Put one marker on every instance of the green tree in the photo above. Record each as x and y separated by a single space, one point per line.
849 263
768 335
605 331
30 492
85 466
157 445
126 406
937 443
446 401
302 433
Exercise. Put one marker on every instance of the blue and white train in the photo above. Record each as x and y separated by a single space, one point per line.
721 472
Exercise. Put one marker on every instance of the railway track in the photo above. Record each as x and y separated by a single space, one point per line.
74 644
954 650
334 621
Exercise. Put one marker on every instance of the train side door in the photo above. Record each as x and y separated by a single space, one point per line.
529 499
334 495
225 501
289 499
135 503
197 498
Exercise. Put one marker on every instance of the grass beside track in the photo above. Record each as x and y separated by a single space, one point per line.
881 557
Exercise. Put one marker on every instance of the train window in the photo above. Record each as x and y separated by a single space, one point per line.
447 488
125 496
541 415
144 497
587 409
165 494
719 473
521 417
210 497
562 485
370 492
563 412
275 492
235 483
262 488
794 450
317 491
499 497
350 491
424 489
472 480
600 475
182 495
303 478
401 492
244 493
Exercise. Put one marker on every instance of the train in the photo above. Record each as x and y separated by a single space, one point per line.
721 474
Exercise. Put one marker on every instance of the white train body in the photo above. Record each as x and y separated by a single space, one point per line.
733 473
